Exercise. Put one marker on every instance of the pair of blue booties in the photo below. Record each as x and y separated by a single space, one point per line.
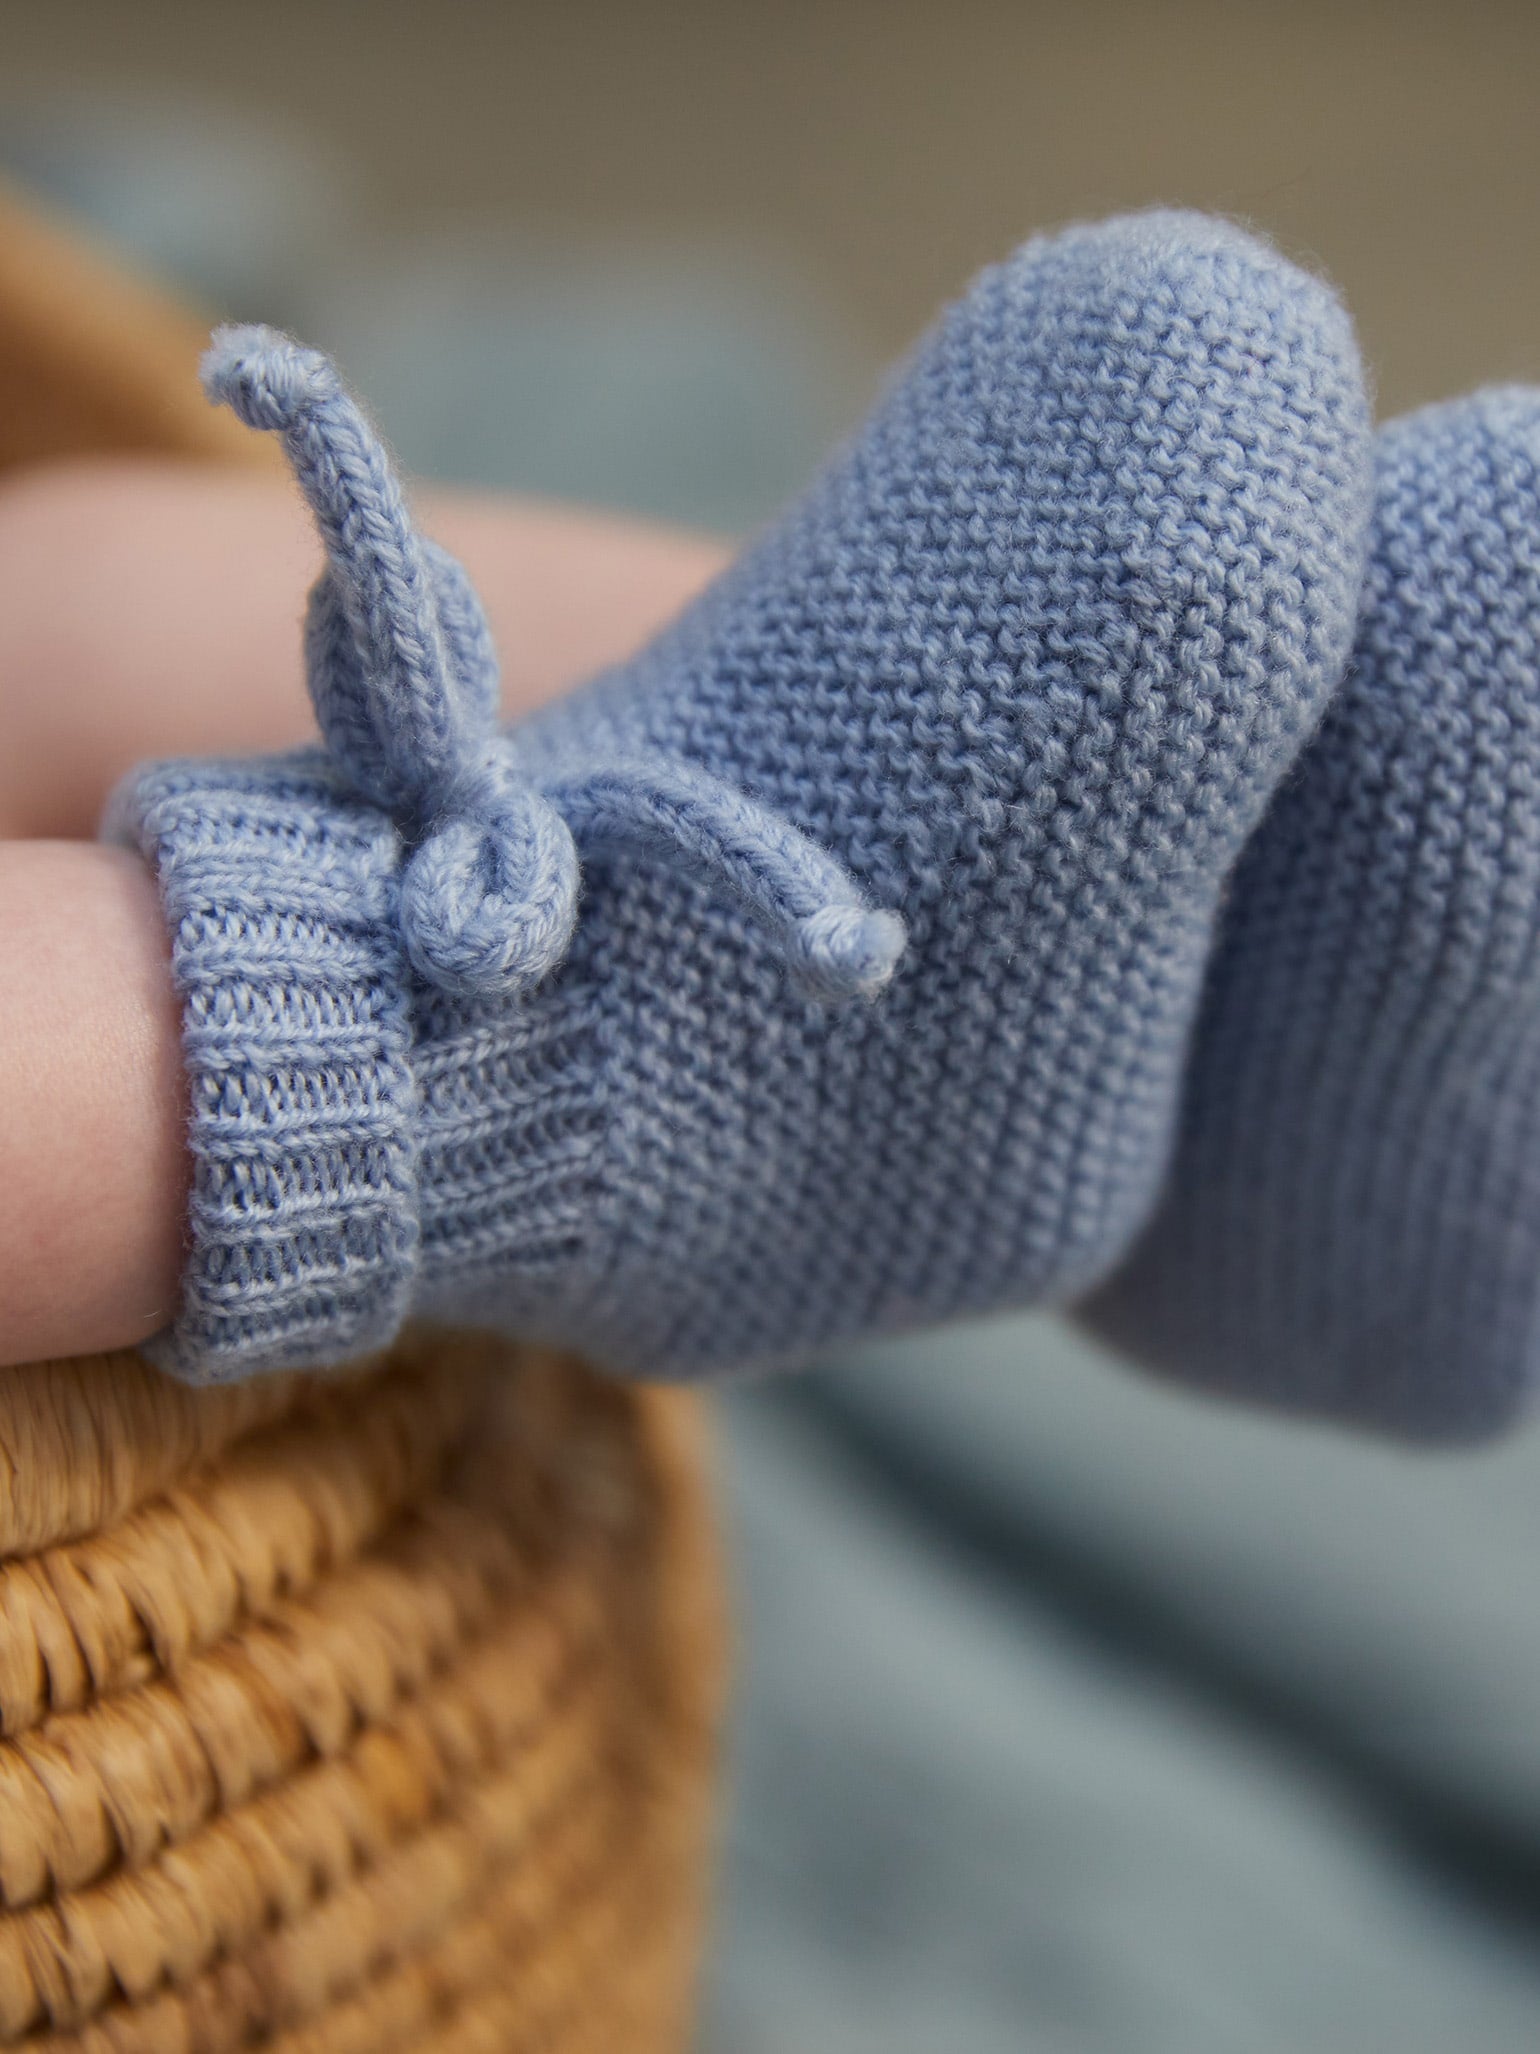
1087 852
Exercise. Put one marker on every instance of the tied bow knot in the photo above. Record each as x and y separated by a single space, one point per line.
404 678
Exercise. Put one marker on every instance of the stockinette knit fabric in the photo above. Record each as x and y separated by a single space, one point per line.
1353 1221
829 967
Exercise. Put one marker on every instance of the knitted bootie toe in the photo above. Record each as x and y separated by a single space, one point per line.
1353 1225
881 884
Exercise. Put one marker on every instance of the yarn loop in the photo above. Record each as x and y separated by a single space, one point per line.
489 896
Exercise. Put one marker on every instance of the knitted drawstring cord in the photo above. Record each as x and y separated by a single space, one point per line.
404 680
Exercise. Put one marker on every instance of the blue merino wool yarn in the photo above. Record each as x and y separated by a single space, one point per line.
828 968
1353 1222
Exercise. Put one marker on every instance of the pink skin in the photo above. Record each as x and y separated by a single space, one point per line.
149 609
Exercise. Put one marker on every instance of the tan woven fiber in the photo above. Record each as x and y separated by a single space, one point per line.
372 1713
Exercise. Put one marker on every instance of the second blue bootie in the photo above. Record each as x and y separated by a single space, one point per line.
1353 1221
830 967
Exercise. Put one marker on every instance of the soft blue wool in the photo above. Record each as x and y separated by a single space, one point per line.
1353 1224
900 854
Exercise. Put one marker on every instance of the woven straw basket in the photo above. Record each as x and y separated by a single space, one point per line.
342 1714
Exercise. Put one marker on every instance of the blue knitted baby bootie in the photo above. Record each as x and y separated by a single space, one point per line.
828 968
1353 1224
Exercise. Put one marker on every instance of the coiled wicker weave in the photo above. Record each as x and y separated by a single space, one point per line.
359 1714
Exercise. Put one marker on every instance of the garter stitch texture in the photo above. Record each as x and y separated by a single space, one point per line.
900 854
1353 1221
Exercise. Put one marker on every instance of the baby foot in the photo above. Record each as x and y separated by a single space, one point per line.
900 854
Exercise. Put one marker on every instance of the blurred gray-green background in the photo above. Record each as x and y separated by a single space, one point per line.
1075 1715
840 164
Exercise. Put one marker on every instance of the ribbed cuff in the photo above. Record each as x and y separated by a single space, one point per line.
279 890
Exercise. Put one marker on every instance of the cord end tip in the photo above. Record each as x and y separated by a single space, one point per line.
267 380
847 952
